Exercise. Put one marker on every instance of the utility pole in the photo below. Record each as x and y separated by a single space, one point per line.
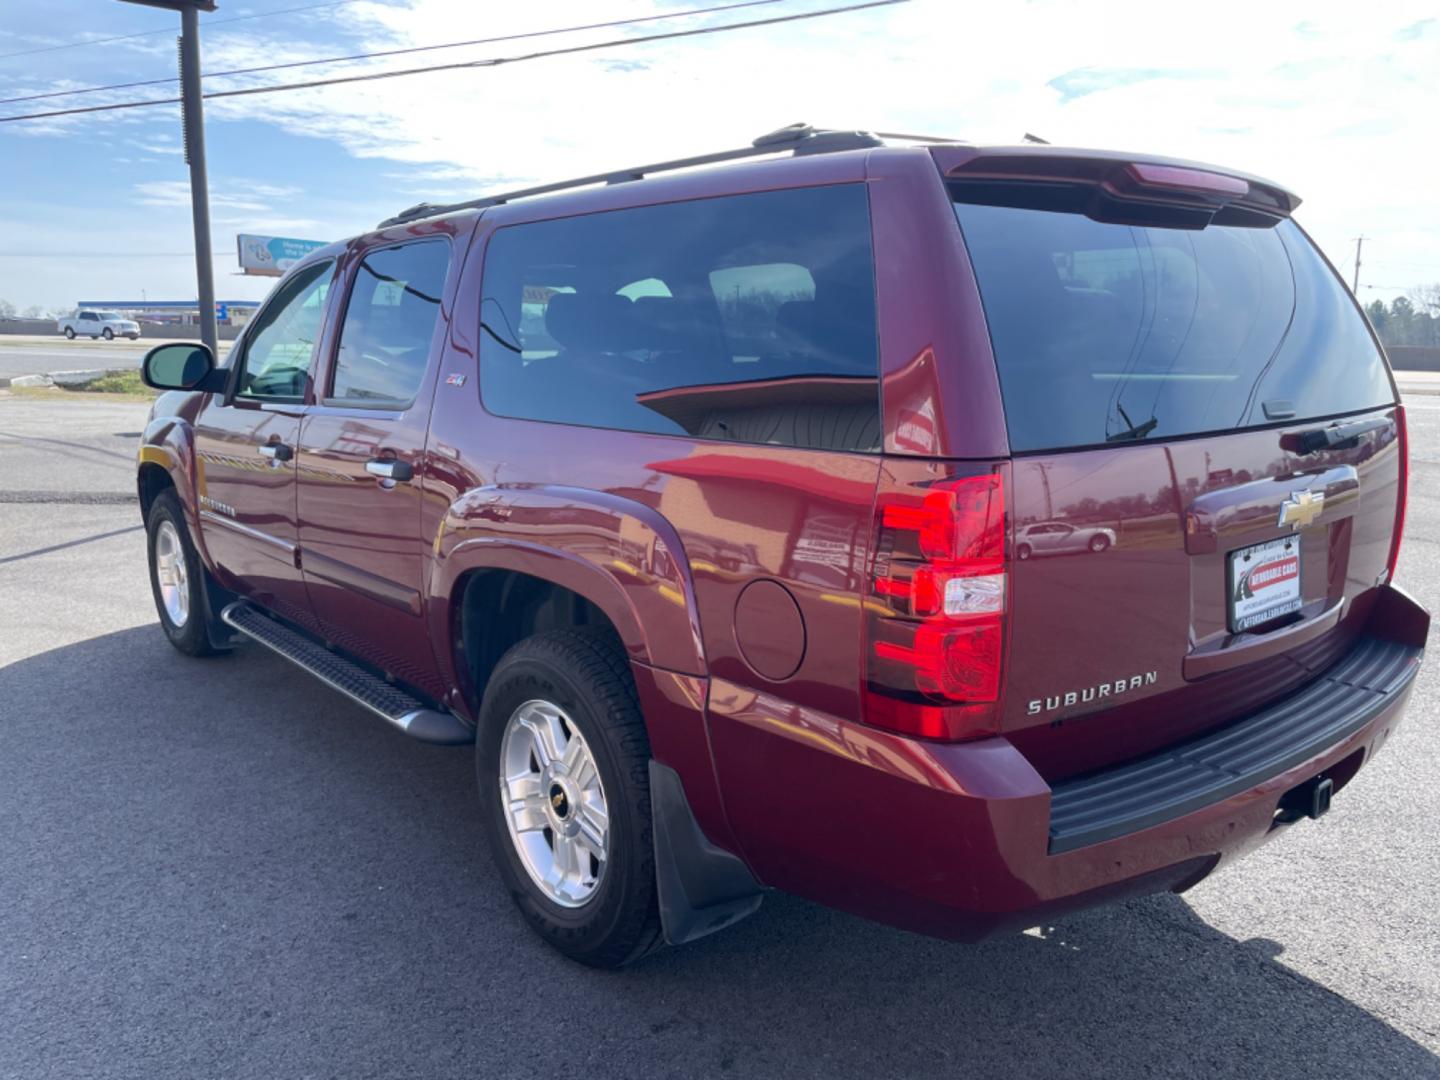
1359 243
192 112
1044 467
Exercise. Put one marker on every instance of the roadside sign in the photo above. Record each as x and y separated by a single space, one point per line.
271 256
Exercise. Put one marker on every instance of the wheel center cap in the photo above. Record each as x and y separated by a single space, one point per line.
559 801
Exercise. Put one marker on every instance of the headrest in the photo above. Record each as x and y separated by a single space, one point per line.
665 324
836 331
602 322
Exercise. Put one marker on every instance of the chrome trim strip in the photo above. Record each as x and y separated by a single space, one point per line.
246 530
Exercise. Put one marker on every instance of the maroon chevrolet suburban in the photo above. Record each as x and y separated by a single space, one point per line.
703 502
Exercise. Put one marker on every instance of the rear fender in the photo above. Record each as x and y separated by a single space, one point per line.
628 561
619 554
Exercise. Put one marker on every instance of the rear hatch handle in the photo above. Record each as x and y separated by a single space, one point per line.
1334 437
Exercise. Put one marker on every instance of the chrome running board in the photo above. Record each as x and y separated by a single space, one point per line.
388 702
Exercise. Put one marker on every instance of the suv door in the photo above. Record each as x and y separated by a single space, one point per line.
362 457
245 443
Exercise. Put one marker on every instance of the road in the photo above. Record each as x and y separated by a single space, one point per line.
222 869
41 356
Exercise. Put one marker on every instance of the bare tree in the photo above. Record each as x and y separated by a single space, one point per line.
1427 299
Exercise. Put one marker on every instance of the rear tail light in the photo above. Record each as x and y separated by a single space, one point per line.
1402 437
935 641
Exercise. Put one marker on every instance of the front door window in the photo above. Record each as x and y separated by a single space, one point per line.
279 349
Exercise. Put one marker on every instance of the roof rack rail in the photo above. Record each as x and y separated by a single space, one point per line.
798 139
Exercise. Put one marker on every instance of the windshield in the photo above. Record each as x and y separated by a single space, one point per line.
109 316
1112 333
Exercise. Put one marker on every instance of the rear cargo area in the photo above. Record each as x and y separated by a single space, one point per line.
1207 470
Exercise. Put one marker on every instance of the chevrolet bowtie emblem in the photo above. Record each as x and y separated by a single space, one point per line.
1301 508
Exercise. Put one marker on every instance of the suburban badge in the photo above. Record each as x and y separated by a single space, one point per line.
1091 693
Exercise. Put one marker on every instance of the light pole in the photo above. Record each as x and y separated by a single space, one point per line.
192 112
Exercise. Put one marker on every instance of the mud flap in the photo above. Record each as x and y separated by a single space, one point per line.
221 636
701 887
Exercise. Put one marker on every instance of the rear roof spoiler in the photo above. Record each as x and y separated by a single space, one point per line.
1124 179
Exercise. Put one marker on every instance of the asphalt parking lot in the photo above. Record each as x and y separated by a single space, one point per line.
220 868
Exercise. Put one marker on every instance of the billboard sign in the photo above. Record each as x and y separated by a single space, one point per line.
271 256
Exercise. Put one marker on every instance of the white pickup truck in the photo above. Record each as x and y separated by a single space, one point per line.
98 324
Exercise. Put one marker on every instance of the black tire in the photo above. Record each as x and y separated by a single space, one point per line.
1099 543
70 333
586 674
192 637
108 334
1023 551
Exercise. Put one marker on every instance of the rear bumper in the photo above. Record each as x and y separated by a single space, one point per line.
960 841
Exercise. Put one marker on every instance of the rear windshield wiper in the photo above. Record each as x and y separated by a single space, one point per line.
1335 437
1134 431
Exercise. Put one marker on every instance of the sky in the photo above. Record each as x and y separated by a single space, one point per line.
1337 101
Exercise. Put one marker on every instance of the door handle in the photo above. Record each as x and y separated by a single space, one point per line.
389 469
275 451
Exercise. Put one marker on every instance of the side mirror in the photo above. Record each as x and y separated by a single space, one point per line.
182 366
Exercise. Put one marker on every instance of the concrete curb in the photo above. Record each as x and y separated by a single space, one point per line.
70 380
24 380
81 376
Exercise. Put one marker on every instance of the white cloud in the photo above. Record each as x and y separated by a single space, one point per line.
250 195
158 145
1331 99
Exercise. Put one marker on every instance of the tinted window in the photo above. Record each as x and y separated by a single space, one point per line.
281 343
389 322
1108 332
749 318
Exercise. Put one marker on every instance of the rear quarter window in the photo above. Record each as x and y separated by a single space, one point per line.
747 318
1108 333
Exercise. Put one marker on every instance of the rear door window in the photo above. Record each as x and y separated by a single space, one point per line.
1112 333
389 323
748 318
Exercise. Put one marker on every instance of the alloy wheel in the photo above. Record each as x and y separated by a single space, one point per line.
554 803
171 574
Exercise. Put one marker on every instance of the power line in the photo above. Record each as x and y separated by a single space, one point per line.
391 52
492 62
168 30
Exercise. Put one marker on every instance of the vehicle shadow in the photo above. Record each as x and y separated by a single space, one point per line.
222 868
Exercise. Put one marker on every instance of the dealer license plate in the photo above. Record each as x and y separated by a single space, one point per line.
1264 582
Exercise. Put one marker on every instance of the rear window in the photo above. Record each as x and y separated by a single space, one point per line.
1110 333
748 318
